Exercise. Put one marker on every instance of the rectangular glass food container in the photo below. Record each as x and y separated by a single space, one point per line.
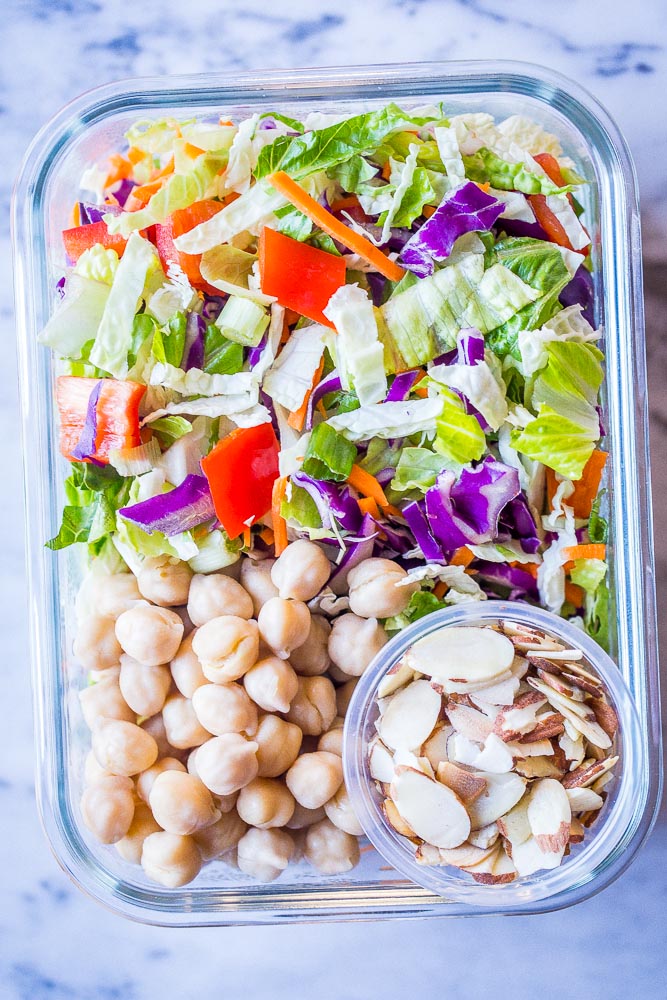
89 130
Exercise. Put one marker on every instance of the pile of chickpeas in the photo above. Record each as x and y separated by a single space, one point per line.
216 711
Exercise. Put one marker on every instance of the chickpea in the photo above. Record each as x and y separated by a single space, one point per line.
344 696
186 668
278 744
264 854
332 740
182 726
256 580
312 657
271 684
355 641
107 808
331 850
142 825
96 646
284 625
301 570
109 593
144 688
170 859
340 812
338 675
122 747
226 803
314 778
313 708
225 708
151 635
104 700
155 726
144 781
214 595
302 817
264 803
92 771
227 763
221 836
373 590
165 582
182 803
227 647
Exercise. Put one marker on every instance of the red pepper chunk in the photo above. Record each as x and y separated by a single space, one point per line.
182 221
82 238
301 277
117 414
241 471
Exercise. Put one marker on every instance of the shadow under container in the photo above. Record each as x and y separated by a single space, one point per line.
87 132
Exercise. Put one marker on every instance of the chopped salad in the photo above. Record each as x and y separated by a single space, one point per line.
373 332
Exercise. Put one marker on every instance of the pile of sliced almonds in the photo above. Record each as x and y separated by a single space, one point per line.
493 748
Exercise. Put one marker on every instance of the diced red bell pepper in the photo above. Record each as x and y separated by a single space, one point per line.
301 277
82 238
182 221
117 413
241 471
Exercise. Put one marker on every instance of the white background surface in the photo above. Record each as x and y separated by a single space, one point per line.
56 943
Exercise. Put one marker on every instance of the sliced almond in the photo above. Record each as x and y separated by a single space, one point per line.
585 776
502 693
467 786
573 749
584 675
600 782
584 799
462 655
514 825
406 758
519 718
399 675
468 687
560 654
427 854
528 858
472 723
411 716
466 856
435 748
540 748
486 836
495 757
549 815
502 792
576 831
546 726
462 750
578 713
380 762
519 667
497 869
432 810
560 684
425 766
395 819
605 716
539 767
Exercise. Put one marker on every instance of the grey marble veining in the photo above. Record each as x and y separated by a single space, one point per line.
54 942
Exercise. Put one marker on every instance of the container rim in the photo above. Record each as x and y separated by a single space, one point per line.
636 595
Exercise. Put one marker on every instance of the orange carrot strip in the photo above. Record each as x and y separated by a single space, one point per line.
440 589
297 418
574 593
247 537
428 211
593 550
585 489
141 195
526 567
337 230
266 535
279 522
321 409
135 155
368 505
385 173
462 557
340 204
165 171
367 485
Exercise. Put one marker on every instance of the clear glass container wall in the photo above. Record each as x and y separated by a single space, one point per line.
89 130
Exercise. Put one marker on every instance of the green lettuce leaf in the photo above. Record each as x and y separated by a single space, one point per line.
93 496
170 429
328 455
301 509
169 340
484 166
598 529
459 437
417 469
221 356
557 442
77 318
569 382
359 352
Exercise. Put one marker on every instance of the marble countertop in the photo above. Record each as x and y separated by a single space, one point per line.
54 942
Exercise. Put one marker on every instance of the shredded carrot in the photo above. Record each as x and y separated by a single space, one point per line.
135 155
297 418
385 173
428 211
440 589
191 150
484 186
462 557
394 511
367 485
279 523
119 169
141 195
321 409
337 230
266 535
76 215
530 568
225 121
165 171
593 550
574 593
420 391
585 489
284 336
247 537
368 505
340 204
